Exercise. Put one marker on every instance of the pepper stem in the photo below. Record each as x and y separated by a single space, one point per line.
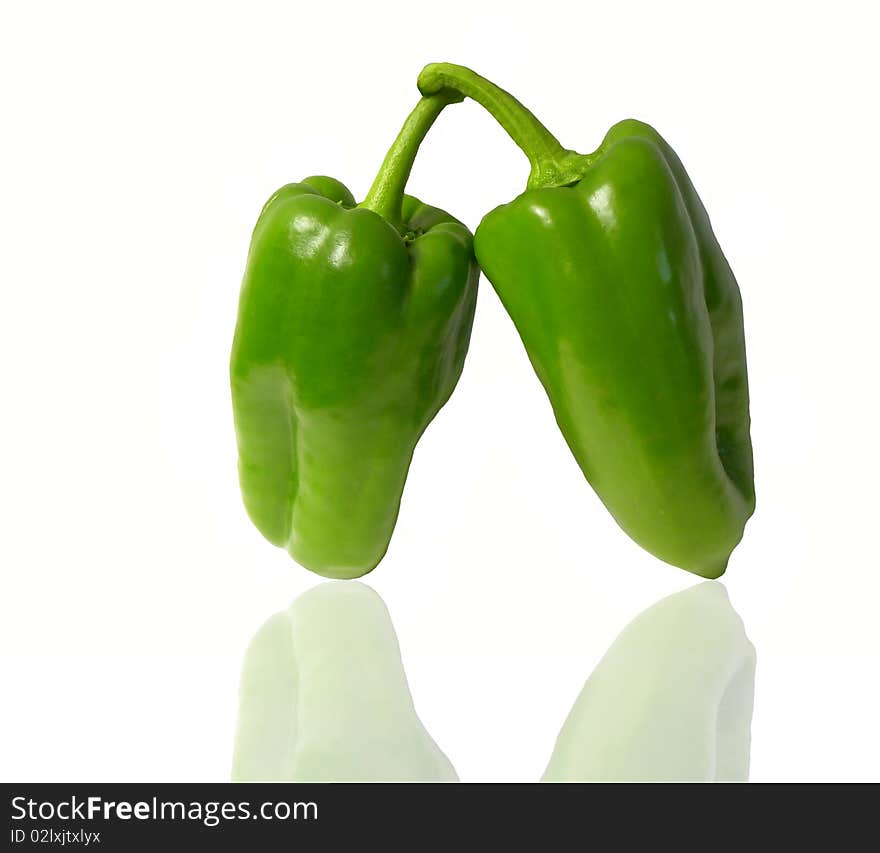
386 195
551 164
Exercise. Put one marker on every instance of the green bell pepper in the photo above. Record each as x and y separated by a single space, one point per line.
353 325
632 319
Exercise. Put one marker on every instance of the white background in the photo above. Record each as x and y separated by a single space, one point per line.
139 142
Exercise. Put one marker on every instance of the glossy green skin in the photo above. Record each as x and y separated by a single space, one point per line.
632 320
350 338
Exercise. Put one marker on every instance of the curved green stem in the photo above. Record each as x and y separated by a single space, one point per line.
386 195
551 164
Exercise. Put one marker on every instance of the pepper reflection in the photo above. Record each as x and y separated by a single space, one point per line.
323 696
671 700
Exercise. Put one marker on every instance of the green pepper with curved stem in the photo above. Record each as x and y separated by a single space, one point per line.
632 319
353 325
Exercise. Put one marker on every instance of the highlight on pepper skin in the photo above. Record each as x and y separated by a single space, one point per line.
324 697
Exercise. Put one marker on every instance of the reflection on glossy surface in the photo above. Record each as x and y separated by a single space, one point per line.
671 699
323 696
